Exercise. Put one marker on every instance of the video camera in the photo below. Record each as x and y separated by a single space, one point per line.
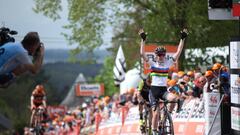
5 35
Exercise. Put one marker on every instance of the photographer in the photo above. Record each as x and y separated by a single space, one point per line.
15 60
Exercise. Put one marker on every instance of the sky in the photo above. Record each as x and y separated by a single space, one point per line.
18 15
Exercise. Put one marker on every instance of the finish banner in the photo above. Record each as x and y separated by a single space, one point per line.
149 51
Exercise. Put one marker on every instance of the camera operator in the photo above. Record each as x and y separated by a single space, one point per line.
15 60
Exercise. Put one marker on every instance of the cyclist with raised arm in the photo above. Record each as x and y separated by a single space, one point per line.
15 60
160 68
38 100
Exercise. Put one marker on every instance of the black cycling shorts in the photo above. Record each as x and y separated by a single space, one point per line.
159 92
145 94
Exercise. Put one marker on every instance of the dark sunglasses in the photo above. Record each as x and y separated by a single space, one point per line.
161 54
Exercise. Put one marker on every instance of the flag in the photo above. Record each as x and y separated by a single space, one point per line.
119 68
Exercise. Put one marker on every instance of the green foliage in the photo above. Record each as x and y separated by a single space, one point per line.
161 19
106 77
49 8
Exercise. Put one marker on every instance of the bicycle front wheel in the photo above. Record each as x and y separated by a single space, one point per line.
168 125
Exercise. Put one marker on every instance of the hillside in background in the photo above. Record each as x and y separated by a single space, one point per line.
61 75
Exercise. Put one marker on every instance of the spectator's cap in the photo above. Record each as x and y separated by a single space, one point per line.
172 82
216 66
180 74
168 80
172 68
208 73
190 73
131 91
106 99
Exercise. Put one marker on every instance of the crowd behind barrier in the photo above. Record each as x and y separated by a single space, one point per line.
90 117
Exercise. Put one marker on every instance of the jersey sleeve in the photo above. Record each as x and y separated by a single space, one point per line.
140 85
32 97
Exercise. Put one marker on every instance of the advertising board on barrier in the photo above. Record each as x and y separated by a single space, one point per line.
149 51
235 55
211 101
56 109
234 48
235 89
235 120
89 89
190 120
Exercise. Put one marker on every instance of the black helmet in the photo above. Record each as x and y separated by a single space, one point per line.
160 50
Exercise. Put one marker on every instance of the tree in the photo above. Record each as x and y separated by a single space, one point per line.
106 77
162 19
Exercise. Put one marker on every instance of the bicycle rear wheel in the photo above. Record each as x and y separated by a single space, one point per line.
167 125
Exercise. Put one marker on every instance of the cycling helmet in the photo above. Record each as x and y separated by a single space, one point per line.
208 73
160 50
39 88
216 66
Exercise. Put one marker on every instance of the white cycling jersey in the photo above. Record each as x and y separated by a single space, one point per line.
160 71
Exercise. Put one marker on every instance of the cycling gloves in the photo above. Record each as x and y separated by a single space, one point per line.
183 34
143 36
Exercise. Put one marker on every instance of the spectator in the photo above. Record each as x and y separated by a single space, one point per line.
15 59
